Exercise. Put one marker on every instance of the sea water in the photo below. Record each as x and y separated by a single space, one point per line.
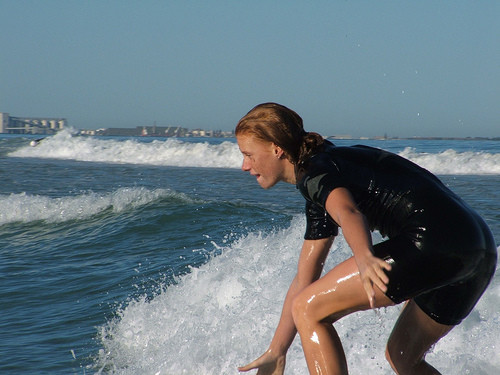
160 256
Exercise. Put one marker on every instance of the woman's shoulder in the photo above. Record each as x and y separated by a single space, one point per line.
320 174
335 166
331 157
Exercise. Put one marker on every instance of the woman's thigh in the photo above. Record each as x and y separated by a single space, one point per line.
338 293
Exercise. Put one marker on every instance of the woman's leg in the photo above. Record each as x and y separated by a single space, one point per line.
413 335
333 296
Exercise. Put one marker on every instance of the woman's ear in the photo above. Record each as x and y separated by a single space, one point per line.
278 152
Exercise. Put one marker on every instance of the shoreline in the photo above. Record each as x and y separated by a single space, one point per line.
208 134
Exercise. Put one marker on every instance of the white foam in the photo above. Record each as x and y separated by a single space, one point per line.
27 208
223 315
174 152
169 152
453 162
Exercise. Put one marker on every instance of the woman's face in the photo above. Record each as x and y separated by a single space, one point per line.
264 160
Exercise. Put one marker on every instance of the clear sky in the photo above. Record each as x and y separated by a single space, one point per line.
364 68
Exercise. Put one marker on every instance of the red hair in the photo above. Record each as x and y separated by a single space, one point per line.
275 123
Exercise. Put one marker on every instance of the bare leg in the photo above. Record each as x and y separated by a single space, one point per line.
335 295
413 335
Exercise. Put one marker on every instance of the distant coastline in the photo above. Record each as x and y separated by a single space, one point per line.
49 126
157 131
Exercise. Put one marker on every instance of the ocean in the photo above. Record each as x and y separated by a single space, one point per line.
160 256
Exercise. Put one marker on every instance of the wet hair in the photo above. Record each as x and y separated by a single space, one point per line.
272 122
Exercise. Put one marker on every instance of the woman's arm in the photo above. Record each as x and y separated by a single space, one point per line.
342 208
311 261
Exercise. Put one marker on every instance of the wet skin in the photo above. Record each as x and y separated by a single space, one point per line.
312 304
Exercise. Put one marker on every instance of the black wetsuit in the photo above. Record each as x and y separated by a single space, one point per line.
442 253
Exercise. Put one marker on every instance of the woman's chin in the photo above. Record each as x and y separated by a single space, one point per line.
265 184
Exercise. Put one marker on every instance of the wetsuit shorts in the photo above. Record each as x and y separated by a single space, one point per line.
444 261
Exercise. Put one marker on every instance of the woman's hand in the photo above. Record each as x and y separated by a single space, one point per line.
371 271
311 261
267 364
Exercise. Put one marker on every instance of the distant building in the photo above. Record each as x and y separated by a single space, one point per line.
30 125
145 131
157 131
4 122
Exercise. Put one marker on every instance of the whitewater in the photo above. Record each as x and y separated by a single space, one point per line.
232 322
174 152
159 256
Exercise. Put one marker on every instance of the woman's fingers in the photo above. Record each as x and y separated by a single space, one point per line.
370 292
376 275
250 366
267 364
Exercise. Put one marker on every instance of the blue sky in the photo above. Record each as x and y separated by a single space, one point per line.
364 68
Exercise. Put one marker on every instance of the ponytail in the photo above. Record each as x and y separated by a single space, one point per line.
312 143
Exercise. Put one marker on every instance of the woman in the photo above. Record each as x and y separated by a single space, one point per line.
439 255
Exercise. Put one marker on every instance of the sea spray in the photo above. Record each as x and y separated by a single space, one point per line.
26 208
210 319
453 162
164 152
63 281
222 154
223 314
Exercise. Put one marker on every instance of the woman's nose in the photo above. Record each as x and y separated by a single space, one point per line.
245 166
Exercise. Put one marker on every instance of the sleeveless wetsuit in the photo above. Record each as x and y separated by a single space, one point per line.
442 253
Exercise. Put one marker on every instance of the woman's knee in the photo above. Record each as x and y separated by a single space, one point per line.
305 312
302 311
413 335
399 362
406 366
395 358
